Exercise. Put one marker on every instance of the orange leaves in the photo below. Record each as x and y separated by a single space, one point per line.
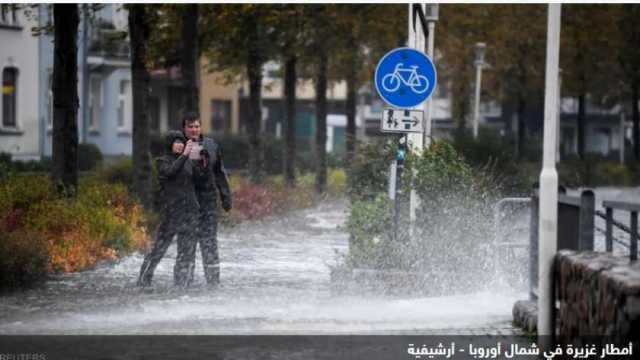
40 231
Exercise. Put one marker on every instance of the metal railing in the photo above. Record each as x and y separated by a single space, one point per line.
632 230
501 242
576 225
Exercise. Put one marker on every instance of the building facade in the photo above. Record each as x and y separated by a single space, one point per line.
20 129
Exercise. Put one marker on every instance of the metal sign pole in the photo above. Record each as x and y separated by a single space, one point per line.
400 156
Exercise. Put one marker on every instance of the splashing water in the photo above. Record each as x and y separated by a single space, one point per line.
275 279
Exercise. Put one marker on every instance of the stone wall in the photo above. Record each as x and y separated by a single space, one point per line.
599 294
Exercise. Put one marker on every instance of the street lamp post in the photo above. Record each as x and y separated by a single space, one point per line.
479 63
548 217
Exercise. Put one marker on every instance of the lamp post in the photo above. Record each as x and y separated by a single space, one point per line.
479 63
548 218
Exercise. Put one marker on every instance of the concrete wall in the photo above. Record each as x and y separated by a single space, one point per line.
599 294
19 50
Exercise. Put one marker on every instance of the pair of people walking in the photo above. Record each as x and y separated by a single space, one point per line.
191 175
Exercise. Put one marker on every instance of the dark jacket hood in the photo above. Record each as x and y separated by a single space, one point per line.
171 136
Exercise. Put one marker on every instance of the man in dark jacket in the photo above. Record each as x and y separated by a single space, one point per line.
180 210
210 178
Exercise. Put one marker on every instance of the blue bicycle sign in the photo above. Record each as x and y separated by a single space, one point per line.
417 83
405 77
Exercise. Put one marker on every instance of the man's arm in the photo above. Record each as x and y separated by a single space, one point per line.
222 180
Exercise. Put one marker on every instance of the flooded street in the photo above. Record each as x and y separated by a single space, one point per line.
275 280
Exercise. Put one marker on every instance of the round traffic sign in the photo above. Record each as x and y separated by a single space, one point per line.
405 77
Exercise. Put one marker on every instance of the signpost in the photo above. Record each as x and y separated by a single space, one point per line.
404 78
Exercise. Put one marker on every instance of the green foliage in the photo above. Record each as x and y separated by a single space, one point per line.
493 155
89 156
369 172
594 170
337 182
236 152
119 172
441 169
7 165
454 218
369 223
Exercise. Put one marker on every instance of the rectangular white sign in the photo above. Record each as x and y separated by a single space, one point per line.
402 121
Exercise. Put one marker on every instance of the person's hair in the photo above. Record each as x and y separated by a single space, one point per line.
189 117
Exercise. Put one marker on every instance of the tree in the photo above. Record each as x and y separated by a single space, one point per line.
364 36
190 57
585 56
518 57
629 58
240 39
321 32
139 36
515 38
65 99
289 24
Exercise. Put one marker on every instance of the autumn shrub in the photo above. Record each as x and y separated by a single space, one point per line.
41 232
250 201
274 196
24 258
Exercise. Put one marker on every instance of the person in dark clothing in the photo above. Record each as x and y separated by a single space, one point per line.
180 210
210 178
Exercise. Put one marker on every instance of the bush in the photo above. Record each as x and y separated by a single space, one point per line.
454 218
236 154
119 172
251 201
7 165
369 223
89 156
594 170
24 258
42 232
369 172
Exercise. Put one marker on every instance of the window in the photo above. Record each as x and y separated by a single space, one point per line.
8 14
124 110
95 103
9 97
220 116
154 114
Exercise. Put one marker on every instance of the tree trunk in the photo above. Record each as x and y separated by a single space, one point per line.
581 124
350 136
139 35
65 99
190 57
290 95
254 71
321 123
522 128
635 118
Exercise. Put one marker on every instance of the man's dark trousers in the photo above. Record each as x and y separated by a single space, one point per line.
207 235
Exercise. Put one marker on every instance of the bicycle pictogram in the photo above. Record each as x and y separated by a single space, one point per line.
416 82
